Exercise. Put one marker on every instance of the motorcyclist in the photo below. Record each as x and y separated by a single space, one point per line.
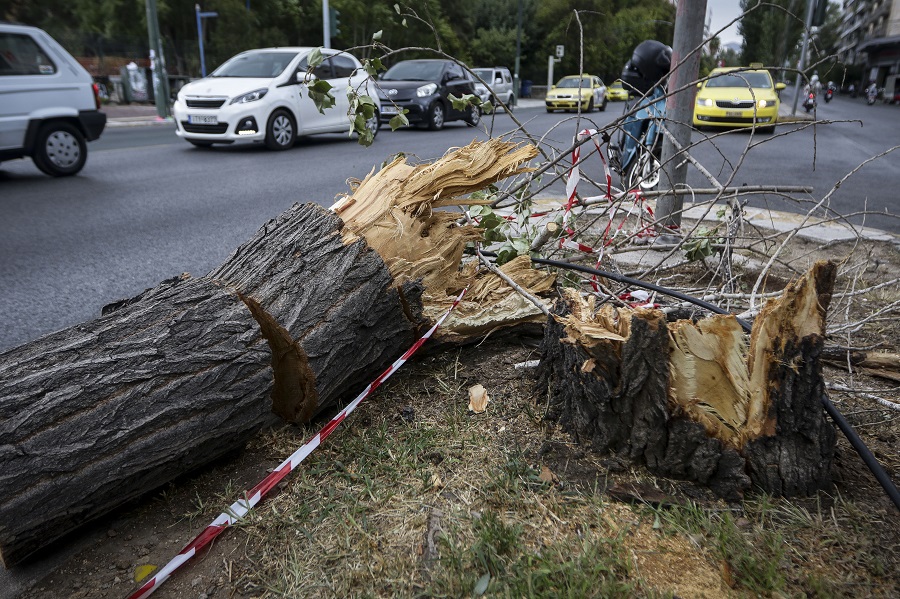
644 75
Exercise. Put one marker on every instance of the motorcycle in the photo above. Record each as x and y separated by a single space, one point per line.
637 157
871 95
810 102
829 94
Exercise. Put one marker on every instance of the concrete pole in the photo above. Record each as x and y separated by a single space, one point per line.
160 77
517 85
689 18
326 25
810 9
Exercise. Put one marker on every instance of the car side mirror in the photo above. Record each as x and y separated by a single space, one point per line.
699 85
498 81
780 86
301 76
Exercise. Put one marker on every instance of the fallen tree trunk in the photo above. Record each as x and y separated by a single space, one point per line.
692 400
298 319
102 412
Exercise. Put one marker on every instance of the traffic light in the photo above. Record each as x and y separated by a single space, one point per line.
820 13
334 20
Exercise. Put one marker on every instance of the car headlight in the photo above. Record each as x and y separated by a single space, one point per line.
704 102
253 96
765 103
426 90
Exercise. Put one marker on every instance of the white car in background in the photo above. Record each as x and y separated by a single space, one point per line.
501 86
49 105
262 96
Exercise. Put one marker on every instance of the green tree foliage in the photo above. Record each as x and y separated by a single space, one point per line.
477 32
771 30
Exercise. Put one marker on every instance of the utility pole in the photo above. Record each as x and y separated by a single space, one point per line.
689 17
157 62
811 8
517 86
326 25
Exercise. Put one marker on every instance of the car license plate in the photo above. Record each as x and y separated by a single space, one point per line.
203 119
737 113
389 110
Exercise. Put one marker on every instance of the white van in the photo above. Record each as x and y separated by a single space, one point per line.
49 105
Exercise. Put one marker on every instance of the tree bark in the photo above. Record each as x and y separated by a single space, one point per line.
692 400
296 319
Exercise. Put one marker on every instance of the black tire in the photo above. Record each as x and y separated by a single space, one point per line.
436 117
603 106
590 107
766 130
644 171
509 103
281 131
60 149
374 124
474 116
200 144
550 111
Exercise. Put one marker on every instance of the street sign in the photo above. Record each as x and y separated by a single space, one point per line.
560 51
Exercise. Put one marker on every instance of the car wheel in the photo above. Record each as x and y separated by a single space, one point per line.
374 124
509 103
766 130
281 132
474 116
200 144
603 106
436 117
590 106
60 150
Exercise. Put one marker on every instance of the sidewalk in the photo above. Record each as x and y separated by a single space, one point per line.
132 115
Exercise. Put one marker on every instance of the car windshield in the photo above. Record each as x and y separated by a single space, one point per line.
255 64
616 85
573 82
761 80
414 71
486 74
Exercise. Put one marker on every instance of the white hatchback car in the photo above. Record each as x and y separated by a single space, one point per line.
262 96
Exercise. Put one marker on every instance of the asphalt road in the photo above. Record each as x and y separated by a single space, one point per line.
149 206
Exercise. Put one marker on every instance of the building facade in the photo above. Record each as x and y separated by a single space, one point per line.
870 38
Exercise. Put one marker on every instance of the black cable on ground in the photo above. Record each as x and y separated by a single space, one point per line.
861 448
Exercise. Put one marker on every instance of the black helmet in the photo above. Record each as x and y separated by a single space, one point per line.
649 63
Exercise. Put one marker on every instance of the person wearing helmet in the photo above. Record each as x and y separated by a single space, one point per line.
648 66
644 75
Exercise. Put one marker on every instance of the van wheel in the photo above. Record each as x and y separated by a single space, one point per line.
281 132
510 102
60 150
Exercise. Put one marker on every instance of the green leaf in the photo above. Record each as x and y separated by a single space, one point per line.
397 8
377 35
320 93
403 22
315 58
482 585
476 211
372 66
399 120
487 107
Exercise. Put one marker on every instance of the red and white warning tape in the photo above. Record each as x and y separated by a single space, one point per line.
240 507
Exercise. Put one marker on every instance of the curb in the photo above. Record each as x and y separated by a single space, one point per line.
138 121
815 229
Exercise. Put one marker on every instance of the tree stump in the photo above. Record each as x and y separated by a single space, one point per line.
691 400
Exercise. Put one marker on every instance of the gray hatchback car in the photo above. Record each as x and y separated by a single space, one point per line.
500 86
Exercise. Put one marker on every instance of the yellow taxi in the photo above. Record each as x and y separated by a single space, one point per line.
572 91
616 92
738 97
